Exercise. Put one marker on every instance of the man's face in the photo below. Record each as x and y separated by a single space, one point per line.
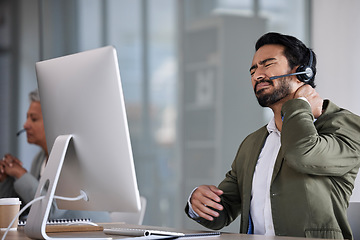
270 61
34 125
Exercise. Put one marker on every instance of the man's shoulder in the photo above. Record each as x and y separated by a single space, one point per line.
256 136
331 110
261 131
252 144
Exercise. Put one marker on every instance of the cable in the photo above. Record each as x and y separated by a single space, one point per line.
81 196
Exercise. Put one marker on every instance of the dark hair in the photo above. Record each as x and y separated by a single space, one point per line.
295 51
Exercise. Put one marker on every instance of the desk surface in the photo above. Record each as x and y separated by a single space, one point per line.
20 234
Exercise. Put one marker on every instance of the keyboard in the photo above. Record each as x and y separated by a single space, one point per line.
138 232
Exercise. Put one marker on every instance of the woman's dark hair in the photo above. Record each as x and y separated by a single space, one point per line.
295 51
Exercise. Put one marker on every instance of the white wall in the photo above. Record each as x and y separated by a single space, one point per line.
336 38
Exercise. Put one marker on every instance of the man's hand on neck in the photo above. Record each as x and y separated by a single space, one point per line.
305 91
313 97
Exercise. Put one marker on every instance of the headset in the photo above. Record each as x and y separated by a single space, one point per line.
304 72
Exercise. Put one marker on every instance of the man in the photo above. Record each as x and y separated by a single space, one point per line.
16 181
294 176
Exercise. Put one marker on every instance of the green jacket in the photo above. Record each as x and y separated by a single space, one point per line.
313 175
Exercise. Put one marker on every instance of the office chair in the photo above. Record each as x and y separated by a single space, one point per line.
353 213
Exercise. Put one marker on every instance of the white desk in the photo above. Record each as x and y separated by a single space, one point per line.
20 234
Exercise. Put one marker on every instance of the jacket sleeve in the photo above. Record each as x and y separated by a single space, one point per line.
7 188
328 146
225 216
26 187
230 200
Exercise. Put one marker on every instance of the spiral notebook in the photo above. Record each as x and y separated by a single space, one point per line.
69 225
60 221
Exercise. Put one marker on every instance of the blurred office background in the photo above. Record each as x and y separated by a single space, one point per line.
184 68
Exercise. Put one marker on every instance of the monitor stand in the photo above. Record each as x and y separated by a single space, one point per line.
39 213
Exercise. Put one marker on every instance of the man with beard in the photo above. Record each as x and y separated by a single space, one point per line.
294 176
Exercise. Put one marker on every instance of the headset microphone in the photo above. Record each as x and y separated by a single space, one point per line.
304 73
308 72
20 132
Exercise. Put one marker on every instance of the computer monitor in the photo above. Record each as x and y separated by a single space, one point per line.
87 131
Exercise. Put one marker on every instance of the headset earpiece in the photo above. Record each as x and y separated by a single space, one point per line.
304 73
307 72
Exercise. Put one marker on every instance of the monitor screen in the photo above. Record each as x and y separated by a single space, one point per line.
81 95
